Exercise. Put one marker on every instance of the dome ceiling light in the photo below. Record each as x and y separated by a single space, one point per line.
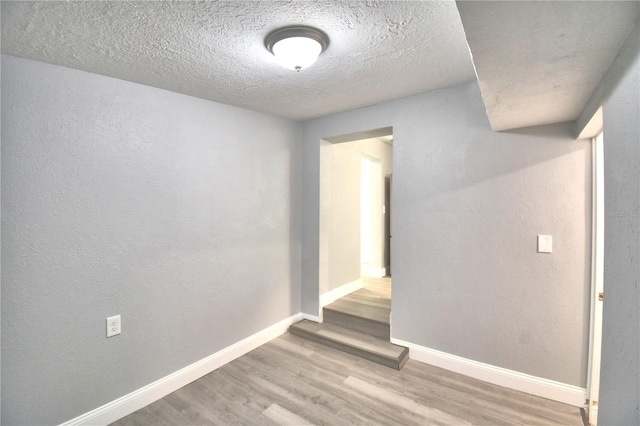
296 47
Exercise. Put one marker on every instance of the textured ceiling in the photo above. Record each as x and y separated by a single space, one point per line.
214 50
539 62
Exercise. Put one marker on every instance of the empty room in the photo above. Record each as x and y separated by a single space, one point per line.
313 212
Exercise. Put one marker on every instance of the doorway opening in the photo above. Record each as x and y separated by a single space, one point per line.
372 218
355 212
354 288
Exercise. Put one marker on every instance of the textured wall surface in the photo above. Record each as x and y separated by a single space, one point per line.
539 62
467 206
620 374
215 50
178 213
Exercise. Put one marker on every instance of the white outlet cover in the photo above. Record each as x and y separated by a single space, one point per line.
545 244
114 326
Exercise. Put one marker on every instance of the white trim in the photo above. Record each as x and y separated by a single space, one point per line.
593 417
568 394
594 127
335 294
597 279
144 396
310 317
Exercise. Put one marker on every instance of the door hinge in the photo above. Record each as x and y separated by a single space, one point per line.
601 296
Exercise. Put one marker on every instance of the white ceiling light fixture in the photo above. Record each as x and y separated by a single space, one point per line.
296 47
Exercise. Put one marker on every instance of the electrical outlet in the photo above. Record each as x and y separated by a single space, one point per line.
113 326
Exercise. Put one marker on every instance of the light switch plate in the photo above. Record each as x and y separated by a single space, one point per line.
545 243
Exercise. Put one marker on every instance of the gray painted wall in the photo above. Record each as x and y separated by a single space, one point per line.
467 206
619 94
180 214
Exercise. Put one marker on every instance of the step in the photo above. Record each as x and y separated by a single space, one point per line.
362 311
353 342
356 323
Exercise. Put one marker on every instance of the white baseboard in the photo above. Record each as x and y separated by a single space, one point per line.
335 294
144 396
310 317
561 392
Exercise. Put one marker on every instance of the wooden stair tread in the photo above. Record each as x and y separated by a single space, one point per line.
368 300
376 327
364 303
353 342
379 312
367 310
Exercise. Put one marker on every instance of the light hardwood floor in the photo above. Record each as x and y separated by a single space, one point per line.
366 310
294 381
372 301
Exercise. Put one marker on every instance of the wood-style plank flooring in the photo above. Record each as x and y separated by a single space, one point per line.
294 381
371 302
367 310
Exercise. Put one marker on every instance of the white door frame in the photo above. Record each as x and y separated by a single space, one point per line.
597 280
